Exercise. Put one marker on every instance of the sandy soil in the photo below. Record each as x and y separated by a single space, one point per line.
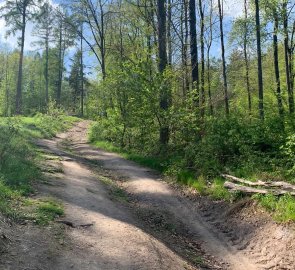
141 222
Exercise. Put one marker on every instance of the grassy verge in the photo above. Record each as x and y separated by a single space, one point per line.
19 166
149 161
215 189
282 208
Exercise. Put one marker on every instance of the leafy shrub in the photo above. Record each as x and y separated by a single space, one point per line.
289 151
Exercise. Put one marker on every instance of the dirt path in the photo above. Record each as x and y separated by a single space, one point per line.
109 237
146 187
159 229
242 243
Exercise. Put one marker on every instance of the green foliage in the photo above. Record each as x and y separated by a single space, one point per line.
268 201
53 121
199 184
289 151
243 147
282 208
129 115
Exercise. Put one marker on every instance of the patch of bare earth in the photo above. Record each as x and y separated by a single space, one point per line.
28 247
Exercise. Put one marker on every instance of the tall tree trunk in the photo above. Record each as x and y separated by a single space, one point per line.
202 24
169 41
60 66
6 87
148 11
46 67
82 72
18 108
291 58
210 39
246 58
194 48
47 34
162 36
41 75
186 33
182 50
276 63
102 41
184 41
259 61
286 52
162 44
220 9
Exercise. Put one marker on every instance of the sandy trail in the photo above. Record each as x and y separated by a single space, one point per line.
113 240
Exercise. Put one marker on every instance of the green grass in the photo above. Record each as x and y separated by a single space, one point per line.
282 208
45 126
47 210
219 192
148 161
20 159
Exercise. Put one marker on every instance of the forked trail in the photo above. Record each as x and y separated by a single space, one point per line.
115 236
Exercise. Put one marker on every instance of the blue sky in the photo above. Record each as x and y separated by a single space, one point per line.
233 9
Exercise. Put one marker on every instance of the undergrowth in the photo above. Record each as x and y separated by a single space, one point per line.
247 149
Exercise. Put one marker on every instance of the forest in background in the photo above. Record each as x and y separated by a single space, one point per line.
176 85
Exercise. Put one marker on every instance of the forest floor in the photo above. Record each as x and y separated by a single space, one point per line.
119 215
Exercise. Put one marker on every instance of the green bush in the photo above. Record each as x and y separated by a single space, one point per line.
289 151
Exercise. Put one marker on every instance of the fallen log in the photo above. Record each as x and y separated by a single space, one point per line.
282 185
251 190
240 180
